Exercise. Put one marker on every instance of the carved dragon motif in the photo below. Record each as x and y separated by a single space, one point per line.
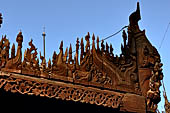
15 63
30 64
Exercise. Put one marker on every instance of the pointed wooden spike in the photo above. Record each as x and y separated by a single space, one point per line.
70 54
93 44
77 50
87 37
13 46
138 10
13 51
49 64
77 45
107 48
61 45
97 39
124 38
54 55
65 55
54 59
98 49
111 49
70 49
93 37
66 52
82 49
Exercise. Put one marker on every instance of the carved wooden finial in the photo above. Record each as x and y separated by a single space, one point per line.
77 49
13 51
87 37
107 48
93 37
49 64
70 54
65 55
98 49
60 56
122 49
77 45
135 16
70 49
19 39
82 50
124 38
61 46
93 44
102 46
54 60
111 49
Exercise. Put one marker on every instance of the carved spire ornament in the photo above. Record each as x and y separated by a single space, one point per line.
82 50
13 51
70 60
87 37
77 51
98 49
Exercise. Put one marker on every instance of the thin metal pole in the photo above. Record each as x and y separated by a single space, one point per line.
44 40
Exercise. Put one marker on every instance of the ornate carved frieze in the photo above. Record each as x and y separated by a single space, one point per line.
31 86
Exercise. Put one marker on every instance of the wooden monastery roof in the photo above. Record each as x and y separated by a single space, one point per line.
129 82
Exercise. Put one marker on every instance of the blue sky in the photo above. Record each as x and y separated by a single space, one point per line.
68 19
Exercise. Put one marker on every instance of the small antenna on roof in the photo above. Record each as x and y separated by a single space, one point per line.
43 34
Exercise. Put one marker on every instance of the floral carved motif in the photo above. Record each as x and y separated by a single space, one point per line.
84 95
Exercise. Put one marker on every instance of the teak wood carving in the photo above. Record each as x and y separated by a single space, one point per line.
137 71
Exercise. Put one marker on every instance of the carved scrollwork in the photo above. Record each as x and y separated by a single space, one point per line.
85 95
